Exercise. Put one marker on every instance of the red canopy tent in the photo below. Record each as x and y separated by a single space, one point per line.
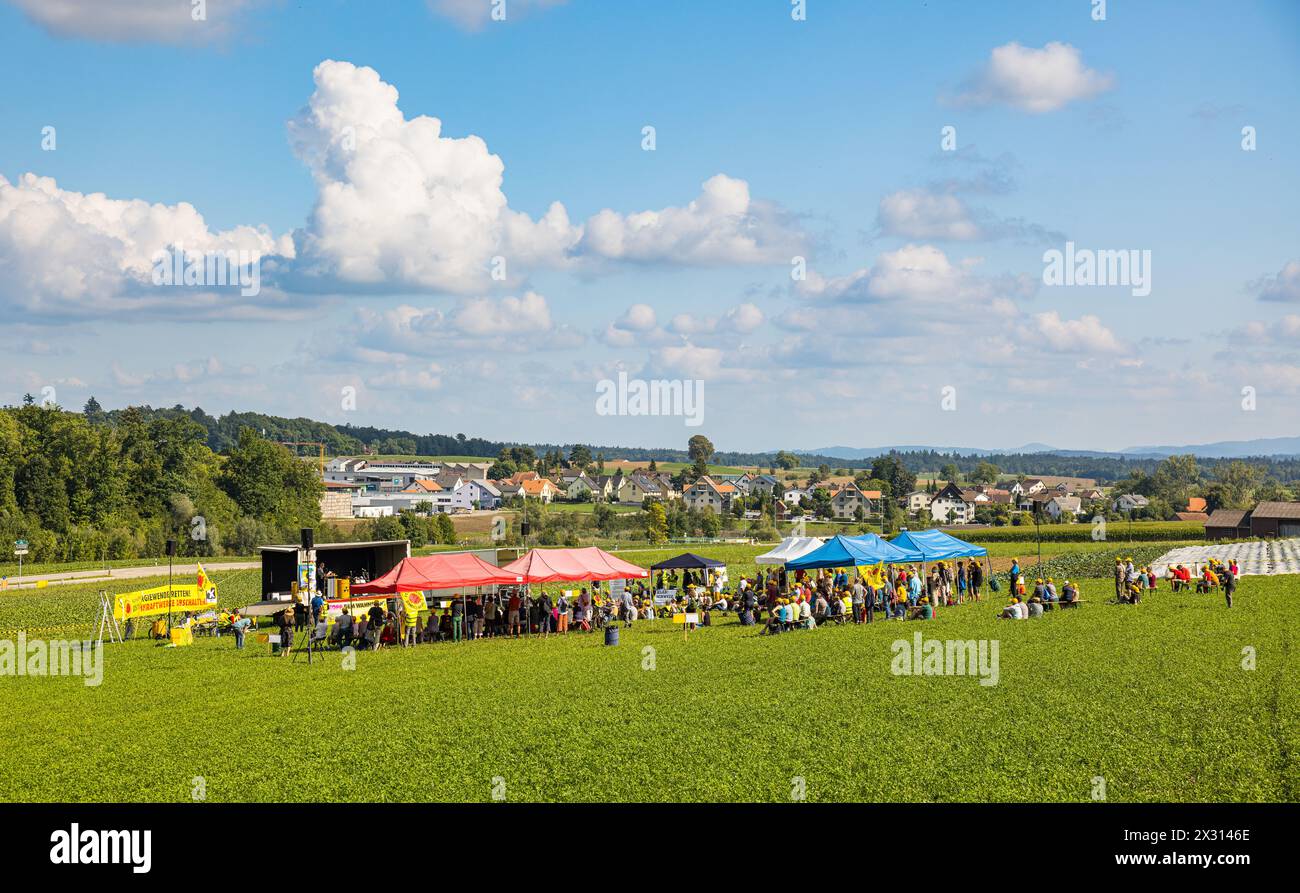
557 565
449 571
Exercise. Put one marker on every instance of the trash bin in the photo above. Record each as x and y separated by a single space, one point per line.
611 635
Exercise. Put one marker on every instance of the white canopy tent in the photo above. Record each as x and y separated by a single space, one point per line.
790 548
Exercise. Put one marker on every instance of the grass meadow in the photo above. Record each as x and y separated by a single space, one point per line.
1152 698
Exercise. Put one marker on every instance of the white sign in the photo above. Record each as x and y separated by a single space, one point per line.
664 596
20 551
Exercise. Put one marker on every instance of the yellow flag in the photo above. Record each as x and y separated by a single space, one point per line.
874 574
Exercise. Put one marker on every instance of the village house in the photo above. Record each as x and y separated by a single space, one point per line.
705 493
846 500
484 494
918 501
540 488
637 488
1130 502
1059 505
949 506
579 487
794 496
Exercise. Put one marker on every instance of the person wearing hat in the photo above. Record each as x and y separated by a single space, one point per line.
1119 577
1069 595
923 610
1229 585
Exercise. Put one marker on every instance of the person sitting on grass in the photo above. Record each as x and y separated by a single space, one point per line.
923 610
1209 580
1132 594
1035 607
1013 610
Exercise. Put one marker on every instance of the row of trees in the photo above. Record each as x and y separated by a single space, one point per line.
94 485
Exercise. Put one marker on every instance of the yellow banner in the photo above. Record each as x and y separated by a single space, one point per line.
159 600
414 602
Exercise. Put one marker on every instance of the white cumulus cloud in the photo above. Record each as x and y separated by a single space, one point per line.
723 225
918 214
138 21
69 252
1285 286
1087 333
1035 80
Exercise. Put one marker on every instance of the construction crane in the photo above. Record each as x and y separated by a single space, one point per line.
315 443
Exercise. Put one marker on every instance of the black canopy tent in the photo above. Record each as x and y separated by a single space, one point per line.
688 561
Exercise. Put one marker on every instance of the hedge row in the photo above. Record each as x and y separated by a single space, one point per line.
1116 531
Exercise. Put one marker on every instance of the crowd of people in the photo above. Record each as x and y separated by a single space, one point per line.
778 599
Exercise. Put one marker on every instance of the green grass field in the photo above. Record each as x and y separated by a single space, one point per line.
1152 698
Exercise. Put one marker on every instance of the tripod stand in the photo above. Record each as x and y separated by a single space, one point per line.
106 621
307 641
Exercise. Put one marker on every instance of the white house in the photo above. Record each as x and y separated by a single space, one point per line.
918 500
796 496
949 500
1130 502
483 492
1058 505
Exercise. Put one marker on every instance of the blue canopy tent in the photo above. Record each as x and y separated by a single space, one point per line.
850 551
935 545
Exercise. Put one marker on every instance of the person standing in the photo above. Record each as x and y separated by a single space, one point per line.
239 625
1014 575
629 612
1229 583
287 626
544 615
976 580
562 614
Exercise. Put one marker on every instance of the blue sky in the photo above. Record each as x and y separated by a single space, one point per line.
925 265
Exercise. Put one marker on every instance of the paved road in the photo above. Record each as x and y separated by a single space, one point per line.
27 581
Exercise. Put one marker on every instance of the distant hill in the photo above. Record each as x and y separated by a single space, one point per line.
1224 449
1227 449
